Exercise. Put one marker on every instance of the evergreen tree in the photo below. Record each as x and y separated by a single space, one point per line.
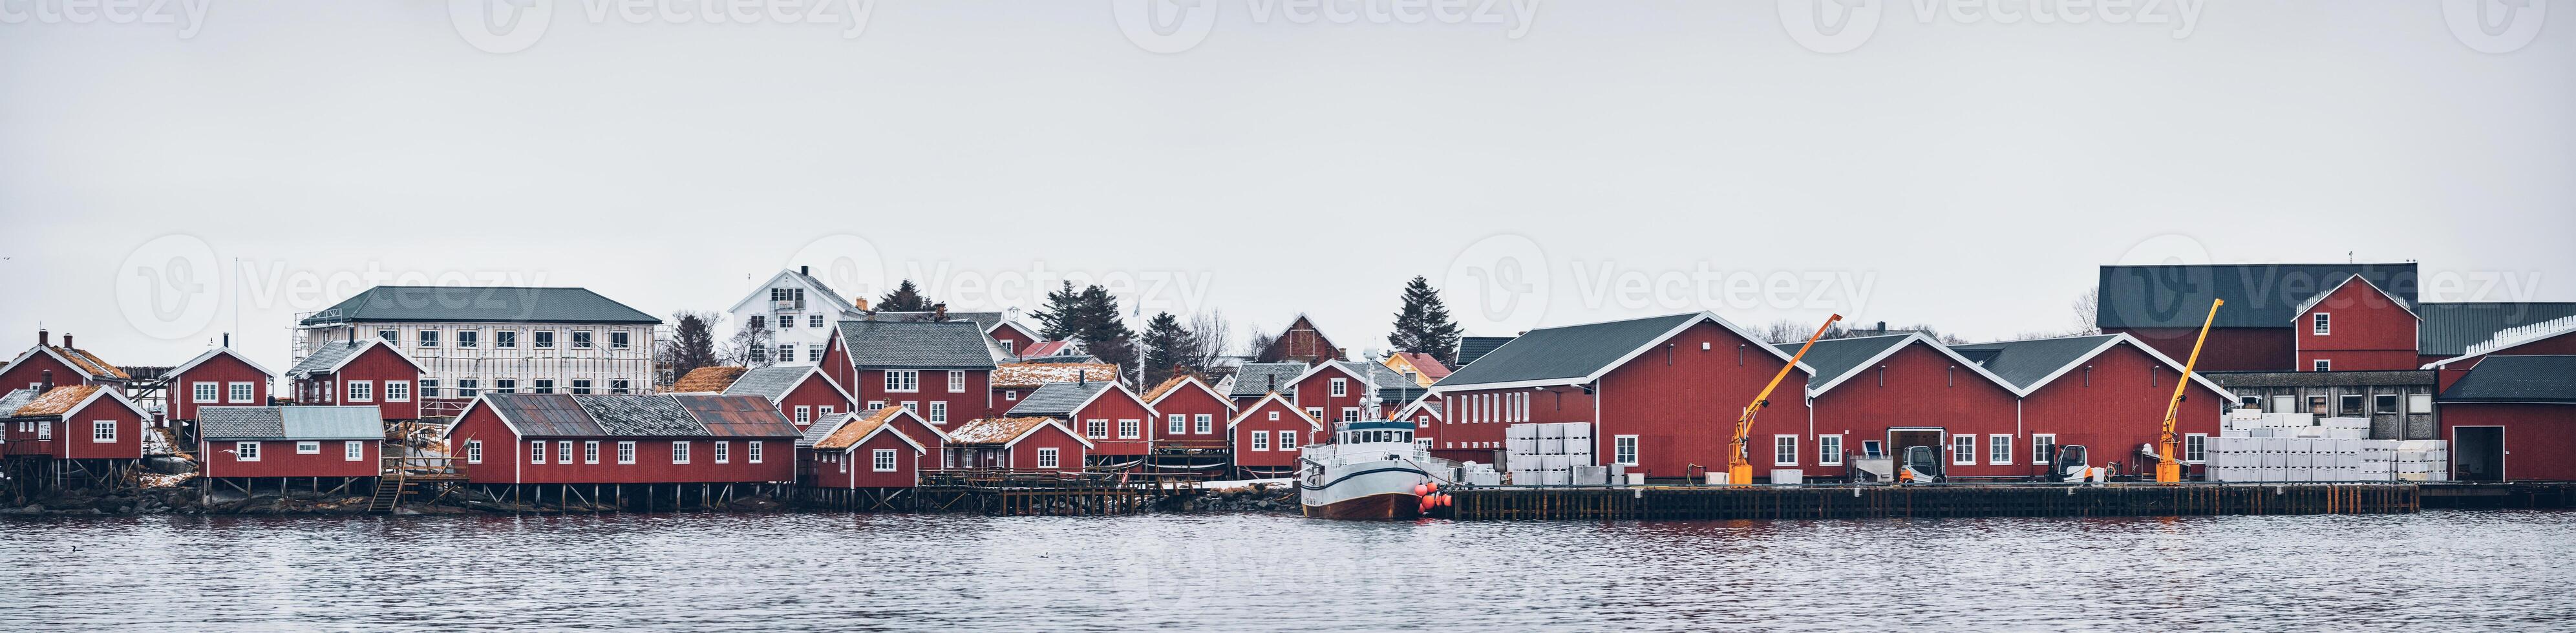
904 298
693 342
1423 325
1062 318
1169 349
1090 316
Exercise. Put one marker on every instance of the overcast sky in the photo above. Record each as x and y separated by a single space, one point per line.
1967 175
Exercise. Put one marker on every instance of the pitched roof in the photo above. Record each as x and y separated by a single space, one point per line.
984 321
1284 405
1425 363
1046 348
565 415
1005 431
1059 399
771 382
2547 379
831 299
1175 384
63 399
291 423
1035 374
2258 295
455 304
1834 358
1475 347
736 416
640 415
1254 379
1076 359
331 356
11 402
916 345
1579 353
708 379
2448 329
2403 303
2026 363
80 360
210 355
855 429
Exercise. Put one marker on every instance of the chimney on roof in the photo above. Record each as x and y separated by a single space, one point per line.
44 338
1882 327
805 270
67 341
228 339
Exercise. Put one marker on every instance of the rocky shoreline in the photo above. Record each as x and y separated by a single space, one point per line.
185 500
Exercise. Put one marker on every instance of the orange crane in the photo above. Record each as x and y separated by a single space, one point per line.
1739 464
2169 471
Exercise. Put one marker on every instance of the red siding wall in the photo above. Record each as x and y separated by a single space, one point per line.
32 372
927 436
1191 402
73 433
1467 431
1259 420
1317 391
972 403
1114 406
2539 439
1682 412
505 458
1018 343
1069 456
2366 331
1922 388
2229 349
279 459
377 365
861 466
222 370
811 394
2123 407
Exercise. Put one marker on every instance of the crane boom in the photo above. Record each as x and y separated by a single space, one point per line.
1739 464
2167 470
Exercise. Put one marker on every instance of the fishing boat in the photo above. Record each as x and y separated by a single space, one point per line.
1371 470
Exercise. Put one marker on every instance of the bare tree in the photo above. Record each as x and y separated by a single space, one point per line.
1262 339
1209 333
750 347
2088 312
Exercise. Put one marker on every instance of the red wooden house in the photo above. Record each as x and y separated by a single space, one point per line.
367 372
93 429
290 441
861 451
1267 434
2107 393
2355 326
65 364
1014 339
1012 381
1658 391
1029 444
805 394
1878 395
1191 411
1301 342
219 377
525 438
1115 421
1340 391
2513 418
942 369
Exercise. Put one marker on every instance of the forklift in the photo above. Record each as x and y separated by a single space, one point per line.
1920 464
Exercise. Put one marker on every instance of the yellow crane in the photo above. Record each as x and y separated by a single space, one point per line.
2168 470
1739 464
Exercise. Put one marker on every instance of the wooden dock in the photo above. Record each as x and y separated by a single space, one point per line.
1028 493
1929 501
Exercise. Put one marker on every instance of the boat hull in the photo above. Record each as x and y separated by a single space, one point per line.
1382 490
1384 507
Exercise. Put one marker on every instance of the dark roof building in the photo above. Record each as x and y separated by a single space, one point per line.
2258 295
1253 379
769 382
1576 353
1475 347
1058 400
2450 328
479 305
2517 379
916 345
2026 364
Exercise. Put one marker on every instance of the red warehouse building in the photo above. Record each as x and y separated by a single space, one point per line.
367 372
1878 395
2107 393
2163 306
2513 418
804 394
67 365
1661 392
1113 419
88 435
247 443
863 451
942 369
219 377
2354 326
1267 434
1022 444
518 439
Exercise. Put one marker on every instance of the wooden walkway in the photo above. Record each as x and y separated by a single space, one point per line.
1872 501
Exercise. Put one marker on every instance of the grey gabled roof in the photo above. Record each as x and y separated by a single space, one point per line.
823 428
291 423
2025 363
480 305
771 382
327 356
1254 379
2448 329
1057 399
2547 379
1564 353
10 403
2258 295
640 415
916 345
1836 357
1475 347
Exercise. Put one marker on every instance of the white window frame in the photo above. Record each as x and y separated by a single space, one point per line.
1274 416
2419 403
679 452
825 411
1131 428
956 381
474 451
1287 440
1784 450
205 392
1315 412
242 392
2195 448
1176 423
102 431
882 460
1204 423
751 451
1260 440
1623 450
1341 387
361 391
2284 404
536 451
2043 448
938 412
354 450
1097 429
245 451
505 339
397 391
626 452
1999 449
1350 414
903 381
1963 455
804 415
590 451
308 447
2321 323
1049 458
563 452
1829 449
724 452
2323 364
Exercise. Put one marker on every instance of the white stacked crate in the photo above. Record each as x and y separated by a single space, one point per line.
1548 454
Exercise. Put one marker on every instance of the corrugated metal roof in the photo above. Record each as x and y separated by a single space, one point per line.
737 416
291 423
916 345
1475 347
1057 399
2258 295
2024 363
2517 379
481 305
1254 379
769 382
1840 356
646 416
327 356
544 414
2448 329
822 429
1563 353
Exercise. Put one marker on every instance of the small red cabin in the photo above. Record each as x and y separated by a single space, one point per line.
290 441
1337 391
77 422
219 377
48 365
1013 381
359 373
1191 412
1113 419
528 438
1267 434
1027 444
861 451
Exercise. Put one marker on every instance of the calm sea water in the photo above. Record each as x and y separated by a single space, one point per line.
2438 571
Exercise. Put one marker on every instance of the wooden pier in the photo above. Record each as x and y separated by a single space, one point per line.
1034 493
1929 501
